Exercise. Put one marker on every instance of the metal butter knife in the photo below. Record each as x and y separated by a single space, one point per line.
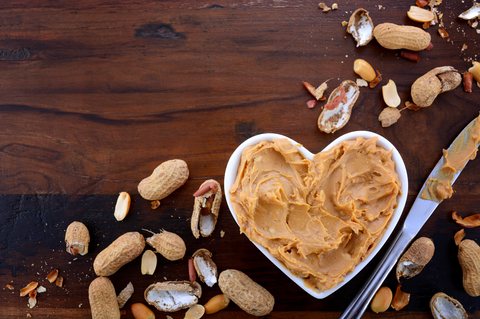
419 213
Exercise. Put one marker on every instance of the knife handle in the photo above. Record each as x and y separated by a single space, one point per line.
357 307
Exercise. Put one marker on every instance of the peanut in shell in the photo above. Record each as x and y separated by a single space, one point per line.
427 87
246 293
469 258
103 300
164 180
120 252
394 37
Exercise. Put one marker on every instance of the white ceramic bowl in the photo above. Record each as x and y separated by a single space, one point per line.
231 174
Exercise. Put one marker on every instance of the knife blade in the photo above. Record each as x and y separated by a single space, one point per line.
421 210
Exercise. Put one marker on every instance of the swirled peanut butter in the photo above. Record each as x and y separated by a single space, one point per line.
320 218
463 149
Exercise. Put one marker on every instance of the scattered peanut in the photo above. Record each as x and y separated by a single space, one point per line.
103 300
122 207
28 289
247 294
382 300
364 69
122 251
394 37
165 179
216 303
167 244
77 238
195 312
140 311
390 94
469 258
52 276
149 262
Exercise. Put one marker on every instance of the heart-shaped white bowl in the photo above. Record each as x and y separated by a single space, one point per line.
231 174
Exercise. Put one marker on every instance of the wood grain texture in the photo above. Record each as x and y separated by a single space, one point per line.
96 94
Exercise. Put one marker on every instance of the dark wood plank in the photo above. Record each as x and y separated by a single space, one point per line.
96 94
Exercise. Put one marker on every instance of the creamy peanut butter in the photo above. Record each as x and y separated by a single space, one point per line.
463 149
320 218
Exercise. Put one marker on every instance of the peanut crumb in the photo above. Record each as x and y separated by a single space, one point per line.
362 82
344 23
29 315
478 84
324 7
222 233
464 47
334 6
380 7
10 287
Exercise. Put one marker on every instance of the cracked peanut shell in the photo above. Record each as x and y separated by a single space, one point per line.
427 87
168 244
77 238
201 223
415 258
445 307
205 267
360 26
172 296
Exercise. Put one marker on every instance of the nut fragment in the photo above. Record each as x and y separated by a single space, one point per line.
475 70
324 7
149 262
171 296
206 208
467 82
216 303
390 94
415 258
59 281
28 289
120 252
10 287
472 13
389 116
103 300
167 244
364 69
395 37
164 180
445 307
420 15
122 206
401 299
382 300
140 311
360 26
331 120
52 276
459 236
319 92
205 267
469 258
377 80
195 312
77 238
124 295
467 222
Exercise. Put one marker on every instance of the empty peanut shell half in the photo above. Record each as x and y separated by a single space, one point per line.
360 26
445 307
336 112
205 267
77 238
415 258
208 199
172 296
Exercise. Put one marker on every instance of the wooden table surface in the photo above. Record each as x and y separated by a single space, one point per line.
95 94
